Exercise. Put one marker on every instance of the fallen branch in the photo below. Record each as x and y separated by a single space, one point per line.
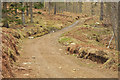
110 41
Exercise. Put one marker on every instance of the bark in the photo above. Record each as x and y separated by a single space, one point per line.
27 11
23 14
15 8
101 11
0 11
118 26
49 6
5 16
73 7
80 7
55 8
114 19
44 5
31 12
66 6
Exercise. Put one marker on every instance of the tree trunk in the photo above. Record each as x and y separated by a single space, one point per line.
31 12
5 16
114 20
66 6
44 5
92 11
15 8
27 11
80 7
118 26
23 14
49 6
55 9
101 10
0 11
73 7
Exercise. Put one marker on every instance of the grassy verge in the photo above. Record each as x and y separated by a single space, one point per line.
90 41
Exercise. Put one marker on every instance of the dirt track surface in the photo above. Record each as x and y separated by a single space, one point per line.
44 57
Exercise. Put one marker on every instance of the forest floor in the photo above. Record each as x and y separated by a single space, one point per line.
44 57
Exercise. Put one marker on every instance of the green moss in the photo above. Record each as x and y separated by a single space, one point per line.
65 40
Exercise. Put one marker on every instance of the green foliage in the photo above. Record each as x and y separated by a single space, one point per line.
18 21
22 8
4 11
38 5
66 40
119 65
39 12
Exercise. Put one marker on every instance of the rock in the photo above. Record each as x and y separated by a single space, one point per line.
30 37
74 69
66 44
67 53
97 23
21 68
72 43
27 63
74 55
24 63
33 57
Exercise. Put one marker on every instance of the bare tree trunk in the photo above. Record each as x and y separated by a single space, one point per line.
66 6
27 11
5 16
101 10
55 8
31 12
0 11
44 5
92 11
118 26
73 7
114 19
15 8
80 7
23 14
49 6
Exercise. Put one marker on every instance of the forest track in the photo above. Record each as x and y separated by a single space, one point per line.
44 57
